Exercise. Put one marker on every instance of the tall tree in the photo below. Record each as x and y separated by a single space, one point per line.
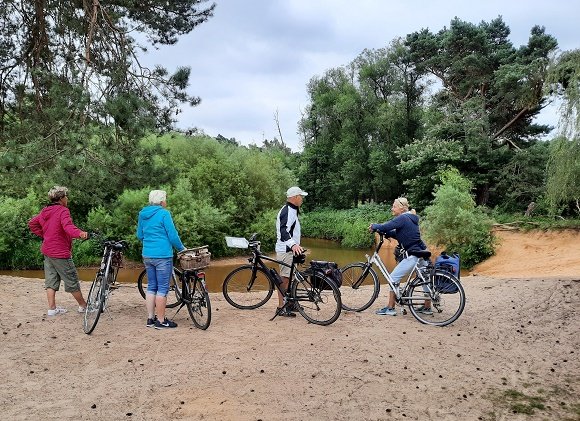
73 94
564 81
490 93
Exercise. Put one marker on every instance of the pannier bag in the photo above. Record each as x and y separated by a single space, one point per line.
451 264
194 258
328 269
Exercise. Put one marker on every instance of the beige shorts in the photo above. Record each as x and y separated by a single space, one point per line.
286 258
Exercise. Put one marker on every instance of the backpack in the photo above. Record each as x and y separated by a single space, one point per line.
451 264
328 269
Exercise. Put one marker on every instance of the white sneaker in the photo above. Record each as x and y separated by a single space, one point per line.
81 309
56 311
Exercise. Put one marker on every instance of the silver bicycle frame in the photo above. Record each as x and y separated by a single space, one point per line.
375 259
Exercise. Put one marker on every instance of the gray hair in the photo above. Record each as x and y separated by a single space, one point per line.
157 196
56 193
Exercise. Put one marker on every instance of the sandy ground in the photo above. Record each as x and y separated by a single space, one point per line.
514 350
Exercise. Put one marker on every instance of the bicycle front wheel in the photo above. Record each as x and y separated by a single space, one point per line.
197 301
360 286
444 298
95 304
247 287
174 294
318 302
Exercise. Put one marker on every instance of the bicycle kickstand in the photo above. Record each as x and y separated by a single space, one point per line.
278 312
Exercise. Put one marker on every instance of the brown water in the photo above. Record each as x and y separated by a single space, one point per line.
219 269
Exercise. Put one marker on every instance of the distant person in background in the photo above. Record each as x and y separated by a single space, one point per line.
55 226
404 228
156 230
288 239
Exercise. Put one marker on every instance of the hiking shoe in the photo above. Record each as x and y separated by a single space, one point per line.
425 310
56 311
81 309
166 324
284 312
151 322
386 311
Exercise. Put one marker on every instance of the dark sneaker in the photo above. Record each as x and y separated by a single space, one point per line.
166 324
284 312
425 310
294 308
151 322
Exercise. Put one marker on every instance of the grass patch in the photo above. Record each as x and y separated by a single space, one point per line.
520 403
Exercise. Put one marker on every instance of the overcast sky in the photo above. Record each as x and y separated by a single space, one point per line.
256 57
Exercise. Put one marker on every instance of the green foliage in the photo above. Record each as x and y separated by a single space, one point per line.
564 80
350 227
75 104
521 180
18 247
563 184
265 226
486 105
455 223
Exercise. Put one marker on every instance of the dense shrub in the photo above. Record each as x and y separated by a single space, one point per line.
455 223
19 249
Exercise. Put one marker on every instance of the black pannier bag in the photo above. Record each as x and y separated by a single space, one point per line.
328 269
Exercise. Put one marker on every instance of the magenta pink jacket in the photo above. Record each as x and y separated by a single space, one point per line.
55 226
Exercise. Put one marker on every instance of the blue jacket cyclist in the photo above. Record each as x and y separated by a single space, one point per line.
404 227
156 230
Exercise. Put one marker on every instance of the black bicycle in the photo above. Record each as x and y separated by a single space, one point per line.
187 286
310 292
105 281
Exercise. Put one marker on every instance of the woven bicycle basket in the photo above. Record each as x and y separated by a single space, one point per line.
195 258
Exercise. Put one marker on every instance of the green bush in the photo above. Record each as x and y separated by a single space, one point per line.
19 248
455 223
350 226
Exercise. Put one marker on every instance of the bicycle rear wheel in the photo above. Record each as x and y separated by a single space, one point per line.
95 304
197 302
174 294
360 287
445 294
245 289
318 303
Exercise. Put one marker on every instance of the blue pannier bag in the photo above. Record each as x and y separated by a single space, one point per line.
451 264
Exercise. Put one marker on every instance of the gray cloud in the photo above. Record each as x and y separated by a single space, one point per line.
255 57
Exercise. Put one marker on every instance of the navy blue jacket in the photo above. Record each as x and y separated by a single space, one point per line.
405 229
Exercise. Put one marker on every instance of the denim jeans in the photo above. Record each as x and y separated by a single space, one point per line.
159 272
403 268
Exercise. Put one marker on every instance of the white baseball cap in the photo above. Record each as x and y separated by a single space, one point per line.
295 191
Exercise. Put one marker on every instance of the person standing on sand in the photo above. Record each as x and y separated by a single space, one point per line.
288 239
156 230
55 226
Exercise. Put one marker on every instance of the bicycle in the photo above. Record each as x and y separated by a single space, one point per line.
250 286
188 286
360 288
105 280
174 295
